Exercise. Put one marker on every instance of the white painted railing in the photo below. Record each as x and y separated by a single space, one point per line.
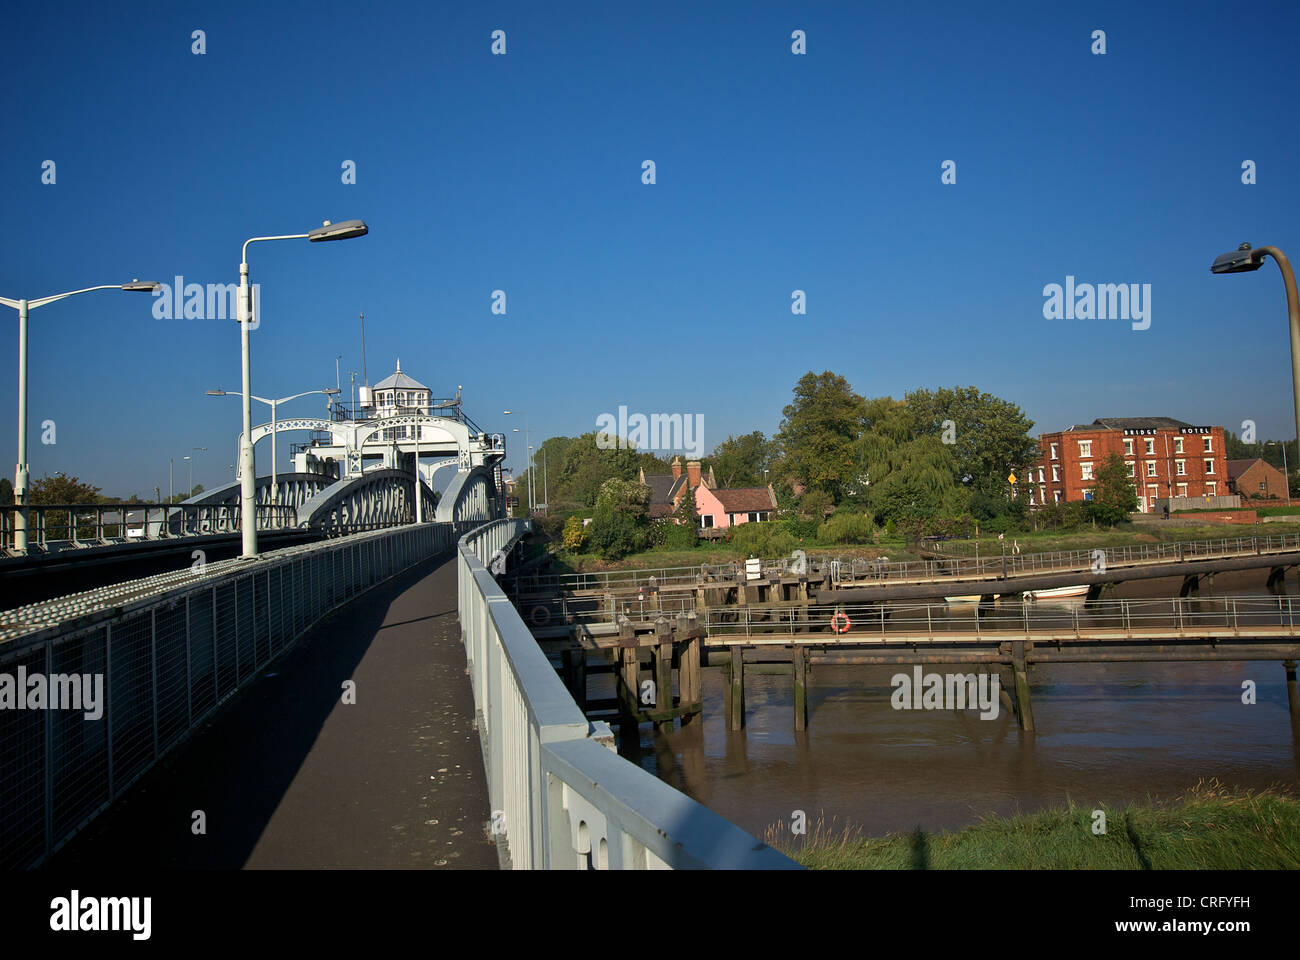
561 796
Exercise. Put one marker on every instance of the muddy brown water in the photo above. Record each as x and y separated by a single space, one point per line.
1106 733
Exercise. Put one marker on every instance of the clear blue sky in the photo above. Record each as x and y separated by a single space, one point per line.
522 172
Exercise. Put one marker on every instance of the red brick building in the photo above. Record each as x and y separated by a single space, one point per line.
1165 458
1255 478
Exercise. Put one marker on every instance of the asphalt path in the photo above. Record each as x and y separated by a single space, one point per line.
288 775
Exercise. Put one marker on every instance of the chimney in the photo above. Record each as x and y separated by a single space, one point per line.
677 467
693 473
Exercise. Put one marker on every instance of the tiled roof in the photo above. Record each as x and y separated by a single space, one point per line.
399 381
1237 467
745 499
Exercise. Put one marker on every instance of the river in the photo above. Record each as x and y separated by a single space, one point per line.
1108 733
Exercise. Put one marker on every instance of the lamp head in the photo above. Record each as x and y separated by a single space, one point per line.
1241 260
343 230
142 286
215 393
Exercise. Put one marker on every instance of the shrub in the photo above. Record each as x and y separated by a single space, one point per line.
767 540
847 528
575 535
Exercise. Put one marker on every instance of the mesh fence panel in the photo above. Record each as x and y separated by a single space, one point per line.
163 668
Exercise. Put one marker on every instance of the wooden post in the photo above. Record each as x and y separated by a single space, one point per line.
1025 710
799 662
737 687
688 665
1277 581
1292 695
663 656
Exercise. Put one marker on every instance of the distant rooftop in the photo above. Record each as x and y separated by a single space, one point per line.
1133 423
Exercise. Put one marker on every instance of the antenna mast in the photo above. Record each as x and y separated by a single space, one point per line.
364 376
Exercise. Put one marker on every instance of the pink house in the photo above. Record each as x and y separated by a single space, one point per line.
716 507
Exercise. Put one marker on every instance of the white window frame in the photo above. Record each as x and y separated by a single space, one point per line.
1178 444
1085 470
1132 468
1128 446
1085 449
1180 468
1209 466
1150 443
1151 468
1182 489
1056 473
1054 456
1209 445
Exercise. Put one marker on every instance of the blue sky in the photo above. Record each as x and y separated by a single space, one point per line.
522 173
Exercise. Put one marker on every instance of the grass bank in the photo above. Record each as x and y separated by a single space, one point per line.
1209 828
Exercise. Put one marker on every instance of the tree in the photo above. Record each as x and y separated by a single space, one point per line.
585 466
6 491
740 461
989 436
619 525
815 441
1113 496
574 534
684 532
62 489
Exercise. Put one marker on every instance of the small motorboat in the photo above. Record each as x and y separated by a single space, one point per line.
1058 593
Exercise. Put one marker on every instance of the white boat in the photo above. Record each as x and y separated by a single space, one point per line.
973 598
1057 593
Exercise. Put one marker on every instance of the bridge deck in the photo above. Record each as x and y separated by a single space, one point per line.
288 776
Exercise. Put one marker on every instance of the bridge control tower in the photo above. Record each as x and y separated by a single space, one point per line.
396 420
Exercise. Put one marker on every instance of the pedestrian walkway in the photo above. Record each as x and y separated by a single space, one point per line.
288 775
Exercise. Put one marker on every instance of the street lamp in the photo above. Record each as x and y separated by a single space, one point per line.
20 472
1286 474
528 441
190 492
1244 260
275 490
345 230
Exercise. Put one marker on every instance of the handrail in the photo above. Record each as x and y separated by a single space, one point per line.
62 526
560 796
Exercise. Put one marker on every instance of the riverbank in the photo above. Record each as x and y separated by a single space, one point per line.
1210 827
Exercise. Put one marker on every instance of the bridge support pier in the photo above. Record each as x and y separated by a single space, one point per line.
663 667
1191 586
1277 581
688 668
1024 709
799 665
1292 694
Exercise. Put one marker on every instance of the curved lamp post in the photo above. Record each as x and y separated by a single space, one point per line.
20 473
345 230
1244 260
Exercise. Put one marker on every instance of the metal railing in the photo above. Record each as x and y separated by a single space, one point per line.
561 797
166 660
72 526
843 570
1183 617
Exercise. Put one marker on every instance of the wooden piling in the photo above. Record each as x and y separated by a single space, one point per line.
1025 710
1277 581
663 657
1292 694
737 705
799 665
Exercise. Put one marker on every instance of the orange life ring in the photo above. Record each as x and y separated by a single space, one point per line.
838 618
540 616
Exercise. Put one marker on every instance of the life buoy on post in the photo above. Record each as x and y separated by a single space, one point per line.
840 622
540 616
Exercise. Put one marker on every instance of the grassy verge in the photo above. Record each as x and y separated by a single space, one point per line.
1210 828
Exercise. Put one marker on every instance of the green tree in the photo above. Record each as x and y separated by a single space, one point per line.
620 523
62 489
740 461
585 466
684 533
1113 495
989 436
6 491
815 441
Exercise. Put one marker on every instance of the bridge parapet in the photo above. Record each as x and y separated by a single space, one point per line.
167 652
561 796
